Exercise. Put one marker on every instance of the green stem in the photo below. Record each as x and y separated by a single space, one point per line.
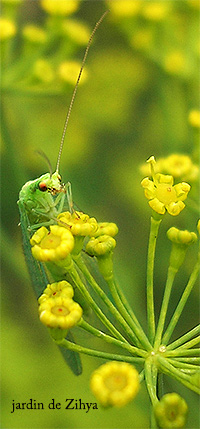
190 343
131 349
183 365
194 360
182 352
151 379
80 349
150 272
75 277
81 265
138 331
170 370
181 304
170 279
184 338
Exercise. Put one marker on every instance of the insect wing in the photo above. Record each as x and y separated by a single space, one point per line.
39 281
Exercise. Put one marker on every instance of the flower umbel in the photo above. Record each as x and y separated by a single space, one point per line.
115 383
52 245
60 312
163 194
171 411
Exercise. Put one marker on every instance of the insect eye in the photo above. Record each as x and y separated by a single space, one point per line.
42 186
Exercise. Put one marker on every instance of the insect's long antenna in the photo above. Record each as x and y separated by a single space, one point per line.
75 89
43 155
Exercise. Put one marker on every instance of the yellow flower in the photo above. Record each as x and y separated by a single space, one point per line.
124 7
106 228
181 237
115 383
198 226
76 30
194 118
100 246
60 312
79 223
68 72
179 165
34 34
156 11
171 411
163 195
175 62
59 7
7 29
52 245
56 289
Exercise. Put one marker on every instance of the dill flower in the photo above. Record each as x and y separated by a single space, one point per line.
156 11
178 165
52 245
194 118
59 7
181 237
62 288
175 62
68 72
124 8
102 248
79 223
106 228
34 34
7 29
115 383
60 312
163 194
76 30
171 411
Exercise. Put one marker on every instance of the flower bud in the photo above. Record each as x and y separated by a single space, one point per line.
171 411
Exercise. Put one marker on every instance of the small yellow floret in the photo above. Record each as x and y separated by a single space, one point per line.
34 34
156 11
56 289
60 312
171 411
106 228
102 245
175 62
60 7
68 72
124 7
52 245
181 237
115 383
80 224
162 194
7 29
194 118
76 30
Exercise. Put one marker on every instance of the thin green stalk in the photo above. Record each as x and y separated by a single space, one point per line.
184 338
161 323
137 331
182 352
182 365
194 360
151 380
181 304
131 349
75 277
81 265
190 343
173 372
80 349
150 272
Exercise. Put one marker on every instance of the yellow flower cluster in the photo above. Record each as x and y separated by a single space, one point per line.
78 223
57 308
180 166
115 383
59 7
7 29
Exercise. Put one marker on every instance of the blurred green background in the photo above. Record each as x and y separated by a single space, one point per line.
141 84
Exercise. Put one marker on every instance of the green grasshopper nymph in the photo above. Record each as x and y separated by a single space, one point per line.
40 202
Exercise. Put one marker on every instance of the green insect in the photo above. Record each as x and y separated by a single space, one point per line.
40 202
